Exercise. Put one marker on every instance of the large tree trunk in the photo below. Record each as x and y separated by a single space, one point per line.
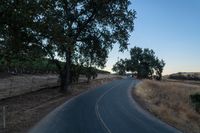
88 79
65 73
64 82
159 76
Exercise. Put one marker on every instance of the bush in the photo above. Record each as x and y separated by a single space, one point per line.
195 99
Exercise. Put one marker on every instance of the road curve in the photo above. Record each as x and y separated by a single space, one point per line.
107 109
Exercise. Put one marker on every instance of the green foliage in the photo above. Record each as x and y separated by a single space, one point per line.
120 67
15 26
80 32
143 63
102 71
27 66
90 73
44 66
158 67
195 99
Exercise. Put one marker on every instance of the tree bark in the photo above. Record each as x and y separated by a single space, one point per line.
88 79
65 73
63 82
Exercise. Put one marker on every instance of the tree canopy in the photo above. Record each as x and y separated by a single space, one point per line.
74 31
120 67
143 63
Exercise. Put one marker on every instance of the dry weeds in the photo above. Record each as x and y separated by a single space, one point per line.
170 102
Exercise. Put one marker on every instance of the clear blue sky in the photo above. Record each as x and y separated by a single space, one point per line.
171 28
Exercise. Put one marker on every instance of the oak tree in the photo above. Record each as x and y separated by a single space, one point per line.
87 28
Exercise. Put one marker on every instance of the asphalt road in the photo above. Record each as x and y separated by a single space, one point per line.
107 109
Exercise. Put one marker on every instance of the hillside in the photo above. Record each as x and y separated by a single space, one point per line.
185 76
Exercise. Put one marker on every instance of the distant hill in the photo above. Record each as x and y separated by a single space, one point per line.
185 76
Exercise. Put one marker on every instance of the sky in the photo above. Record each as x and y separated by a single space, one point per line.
171 28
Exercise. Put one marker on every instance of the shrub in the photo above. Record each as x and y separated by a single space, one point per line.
195 99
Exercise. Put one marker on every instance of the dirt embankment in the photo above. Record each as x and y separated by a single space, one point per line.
170 102
24 111
14 85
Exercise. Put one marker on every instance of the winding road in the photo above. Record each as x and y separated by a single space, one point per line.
106 109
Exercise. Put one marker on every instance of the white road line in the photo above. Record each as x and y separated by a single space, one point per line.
97 109
60 108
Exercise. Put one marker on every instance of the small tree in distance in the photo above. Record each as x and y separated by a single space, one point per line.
159 65
143 63
120 67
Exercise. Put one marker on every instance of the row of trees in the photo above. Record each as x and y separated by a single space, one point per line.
26 66
45 66
79 32
143 63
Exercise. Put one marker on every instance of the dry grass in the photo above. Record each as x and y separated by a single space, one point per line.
170 102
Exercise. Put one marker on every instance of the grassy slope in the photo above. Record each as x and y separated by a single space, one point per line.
170 102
